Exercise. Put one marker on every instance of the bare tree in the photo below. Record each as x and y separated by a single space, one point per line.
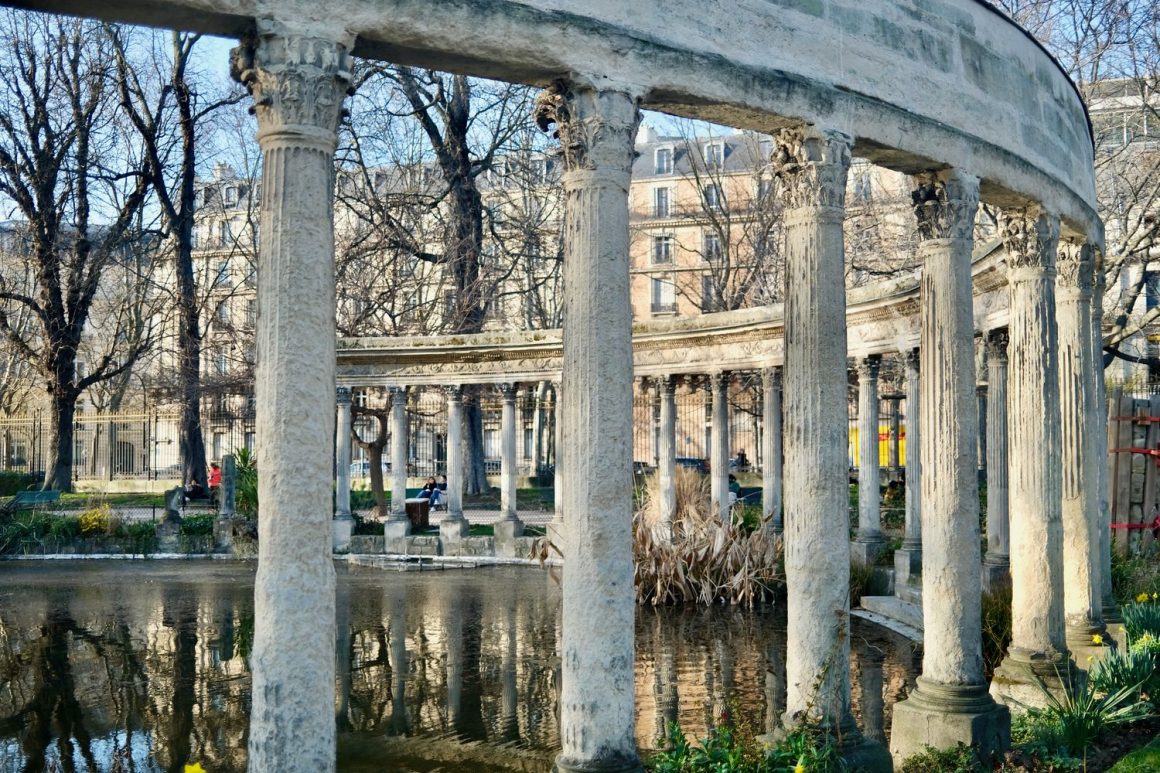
71 175
168 105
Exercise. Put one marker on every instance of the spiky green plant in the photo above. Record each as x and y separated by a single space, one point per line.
1141 617
1117 670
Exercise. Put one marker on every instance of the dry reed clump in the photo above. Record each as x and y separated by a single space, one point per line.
706 561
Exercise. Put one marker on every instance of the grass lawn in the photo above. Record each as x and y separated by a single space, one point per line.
1145 760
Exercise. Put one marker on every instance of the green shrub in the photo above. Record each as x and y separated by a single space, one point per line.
1147 643
864 581
362 499
1117 670
735 749
99 520
65 528
1141 617
12 482
362 526
1134 575
142 537
24 526
961 759
198 525
246 484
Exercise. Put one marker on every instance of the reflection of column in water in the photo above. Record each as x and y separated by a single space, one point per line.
774 687
342 645
723 694
453 662
510 724
180 614
397 625
223 648
668 701
870 658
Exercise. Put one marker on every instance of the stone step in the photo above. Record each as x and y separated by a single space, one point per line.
895 609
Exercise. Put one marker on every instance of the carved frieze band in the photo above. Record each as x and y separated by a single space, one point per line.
1075 267
596 128
811 166
296 81
1030 236
945 205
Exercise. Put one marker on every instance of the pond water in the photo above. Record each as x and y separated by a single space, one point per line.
142 666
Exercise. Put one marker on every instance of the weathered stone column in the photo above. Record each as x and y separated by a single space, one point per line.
596 130
556 527
667 457
892 443
398 526
951 703
1038 651
454 526
298 82
812 166
908 558
997 562
771 448
509 527
719 452
982 401
1110 610
223 525
869 541
343 523
1080 482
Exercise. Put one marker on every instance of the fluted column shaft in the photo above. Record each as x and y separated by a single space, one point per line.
893 440
719 453
812 167
952 651
667 454
771 447
342 455
398 453
454 453
998 558
507 492
869 502
1080 479
1037 645
298 82
912 539
597 712
1099 438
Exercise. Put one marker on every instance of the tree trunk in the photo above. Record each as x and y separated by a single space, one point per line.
375 452
58 471
475 468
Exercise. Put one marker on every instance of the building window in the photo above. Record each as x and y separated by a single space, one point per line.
664 296
713 199
221 363
765 149
661 202
664 161
251 312
713 249
231 197
219 442
222 279
662 249
1151 290
714 155
708 294
764 188
225 236
223 313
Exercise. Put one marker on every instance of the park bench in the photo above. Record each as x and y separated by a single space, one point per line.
29 500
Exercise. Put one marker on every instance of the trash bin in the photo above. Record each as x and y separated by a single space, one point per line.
418 510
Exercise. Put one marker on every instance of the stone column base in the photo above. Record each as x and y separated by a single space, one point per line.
613 766
861 754
223 533
1111 613
942 716
396 528
451 529
865 550
908 574
996 574
1023 679
506 532
340 532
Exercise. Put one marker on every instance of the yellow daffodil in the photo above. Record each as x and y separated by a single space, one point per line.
194 768
1091 658
1097 639
1156 596
1142 598
799 768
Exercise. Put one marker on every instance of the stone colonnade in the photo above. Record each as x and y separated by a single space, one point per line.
298 82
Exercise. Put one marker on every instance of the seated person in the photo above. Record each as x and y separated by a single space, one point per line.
431 492
194 490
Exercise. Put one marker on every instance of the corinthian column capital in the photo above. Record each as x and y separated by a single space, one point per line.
811 165
1030 236
867 367
1075 267
996 344
945 204
297 81
595 127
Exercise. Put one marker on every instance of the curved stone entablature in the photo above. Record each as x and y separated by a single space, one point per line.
919 84
881 318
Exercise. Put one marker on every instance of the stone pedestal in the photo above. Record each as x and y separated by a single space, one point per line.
506 533
908 574
341 530
942 716
395 529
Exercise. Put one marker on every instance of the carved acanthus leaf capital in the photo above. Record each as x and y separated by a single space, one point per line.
1075 266
297 81
945 205
811 166
997 341
771 378
342 395
596 128
667 385
912 358
398 395
508 391
867 367
1030 236
453 392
